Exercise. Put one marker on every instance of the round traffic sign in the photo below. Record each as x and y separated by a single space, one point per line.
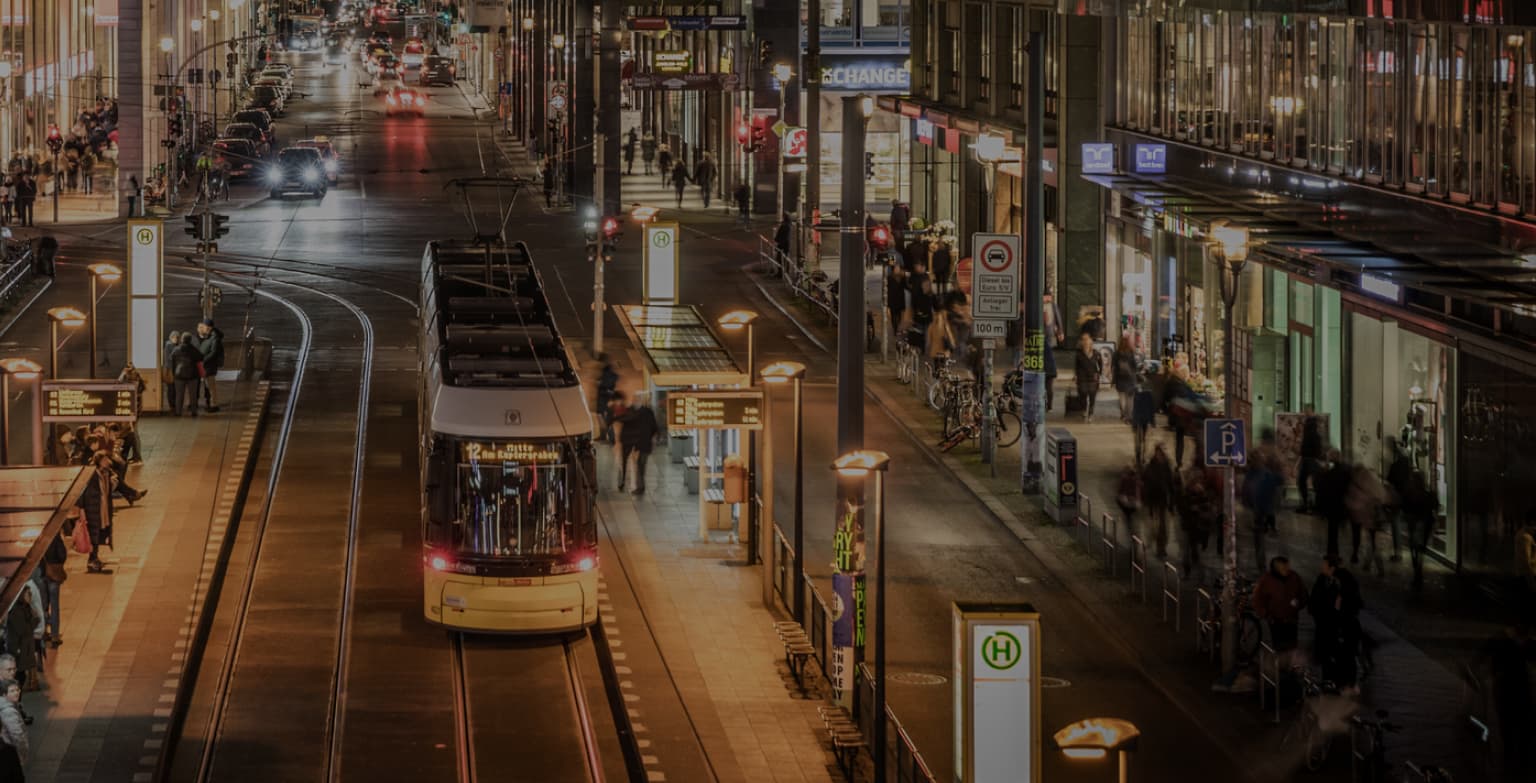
996 255
557 102
1001 650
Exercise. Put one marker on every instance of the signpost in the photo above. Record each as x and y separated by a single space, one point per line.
715 410
995 299
997 693
146 285
660 275
795 142
1226 443
80 402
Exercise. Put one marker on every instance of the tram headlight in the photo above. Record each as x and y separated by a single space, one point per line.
438 561
586 563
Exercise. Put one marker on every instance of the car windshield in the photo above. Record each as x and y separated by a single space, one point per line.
265 91
517 498
296 157
253 117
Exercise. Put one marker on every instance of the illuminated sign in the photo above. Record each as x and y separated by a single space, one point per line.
660 267
509 451
1382 287
680 61
1151 158
923 129
863 72
686 22
1098 157
89 401
997 692
715 410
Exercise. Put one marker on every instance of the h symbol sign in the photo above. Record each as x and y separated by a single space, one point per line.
1001 650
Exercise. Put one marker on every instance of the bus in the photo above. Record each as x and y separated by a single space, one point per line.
509 524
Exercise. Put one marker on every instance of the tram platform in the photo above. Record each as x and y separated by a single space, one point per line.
103 710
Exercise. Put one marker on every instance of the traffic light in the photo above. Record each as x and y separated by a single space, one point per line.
610 229
173 127
759 133
194 227
593 249
869 165
215 227
764 53
744 135
55 139
880 237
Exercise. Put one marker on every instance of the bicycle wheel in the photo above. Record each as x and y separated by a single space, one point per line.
1249 635
938 394
1009 427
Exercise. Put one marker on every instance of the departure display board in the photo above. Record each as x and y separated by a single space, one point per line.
711 410
510 451
90 401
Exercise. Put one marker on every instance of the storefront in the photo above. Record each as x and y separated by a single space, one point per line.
56 58
887 138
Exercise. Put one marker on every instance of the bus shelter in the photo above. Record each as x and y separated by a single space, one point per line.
33 504
681 354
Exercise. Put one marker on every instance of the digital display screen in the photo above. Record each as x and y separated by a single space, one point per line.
509 451
715 410
83 401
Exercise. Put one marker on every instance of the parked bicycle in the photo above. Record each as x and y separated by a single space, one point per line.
909 357
1368 748
1306 728
1250 629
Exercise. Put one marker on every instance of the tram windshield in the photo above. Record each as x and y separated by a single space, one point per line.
516 499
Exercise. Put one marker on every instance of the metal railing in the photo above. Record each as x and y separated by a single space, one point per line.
820 620
819 295
17 267
1207 625
1084 521
903 761
1174 596
1269 676
1107 543
783 555
1139 566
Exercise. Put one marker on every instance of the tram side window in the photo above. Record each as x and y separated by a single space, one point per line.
440 485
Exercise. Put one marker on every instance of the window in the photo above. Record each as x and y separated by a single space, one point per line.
510 506
1018 60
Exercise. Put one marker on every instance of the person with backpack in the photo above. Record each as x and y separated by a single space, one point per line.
210 344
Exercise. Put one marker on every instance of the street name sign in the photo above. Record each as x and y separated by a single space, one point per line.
1225 443
995 277
715 410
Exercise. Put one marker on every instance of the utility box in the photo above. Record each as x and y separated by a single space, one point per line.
1060 468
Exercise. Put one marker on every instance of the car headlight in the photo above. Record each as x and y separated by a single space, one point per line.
275 175
311 175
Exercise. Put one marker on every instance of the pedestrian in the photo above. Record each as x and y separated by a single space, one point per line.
1509 658
186 370
95 504
637 436
782 235
1311 457
1420 507
7 194
664 162
915 253
1331 487
548 176
26 194
607 391
1335 605
1174 390
54 574
1277 600
1054 335
1087 367
1128 494
941 263
167 378
744 203
1159 491
648 151
921 304
901 221
629 152
135 195
1363 502
88 172
895 295
1143 415
13 734
24 625
1123 374
210 344
129 437
1197 512
679 181
704 177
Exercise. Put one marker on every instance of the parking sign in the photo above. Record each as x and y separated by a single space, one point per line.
995 278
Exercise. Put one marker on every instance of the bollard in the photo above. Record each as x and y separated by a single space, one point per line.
1174 596
1139 566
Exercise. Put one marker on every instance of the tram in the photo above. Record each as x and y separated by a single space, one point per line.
509 530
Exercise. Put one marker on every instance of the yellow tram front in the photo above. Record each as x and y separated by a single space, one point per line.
510 534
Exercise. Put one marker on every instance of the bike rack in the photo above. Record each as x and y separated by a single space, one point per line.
1206 629
1269 676
1174 596
1107 544
1139 566
1084 520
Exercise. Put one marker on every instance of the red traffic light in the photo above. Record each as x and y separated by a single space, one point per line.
610 227
880 237
743 134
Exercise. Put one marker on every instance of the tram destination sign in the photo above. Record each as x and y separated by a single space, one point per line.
711 410
90 401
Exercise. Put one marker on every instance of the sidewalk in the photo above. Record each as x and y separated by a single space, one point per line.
1423 639
705 615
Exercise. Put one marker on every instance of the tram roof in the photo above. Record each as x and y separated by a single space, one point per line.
33 504
680 346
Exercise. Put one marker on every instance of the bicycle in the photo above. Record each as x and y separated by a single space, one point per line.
909 356
1367 747
964 419
1306 727
939 379
1250 629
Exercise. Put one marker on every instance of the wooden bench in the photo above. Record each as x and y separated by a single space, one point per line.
714 496
797 649
847 739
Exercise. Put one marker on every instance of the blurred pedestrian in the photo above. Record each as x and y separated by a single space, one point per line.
13 734
7 196
1331 487
548 176
96 505
1128 493
664 162
186 369
648 151
895 296
26 194
1197 515
782 235
679 181
941 264
1335 605
167 376
1278 598
1143 416
210 344
638 436
901 221
743 196
1123 374
1087 366
24 627
1509 658
1363 501
607 390
54 575
629 152
1311 456
1159 492
704 177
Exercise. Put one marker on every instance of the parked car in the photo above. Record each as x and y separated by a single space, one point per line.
238 157
298 169
414 51
439 71
261 119
249 132
269 99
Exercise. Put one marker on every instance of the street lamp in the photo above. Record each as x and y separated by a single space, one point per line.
68 317
196 25
1095 738
21 370
167 44
782 72
527 23
106 273
735 321
557 41
780 373
1230 245
858 464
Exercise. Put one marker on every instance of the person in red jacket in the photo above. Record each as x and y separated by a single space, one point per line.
1277 600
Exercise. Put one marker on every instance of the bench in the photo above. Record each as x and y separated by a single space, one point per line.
797 649
714 496
847 738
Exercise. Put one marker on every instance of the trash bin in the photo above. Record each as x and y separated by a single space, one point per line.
680 446
691 475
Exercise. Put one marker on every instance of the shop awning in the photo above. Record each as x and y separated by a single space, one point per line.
1291 233
679 346
33 503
